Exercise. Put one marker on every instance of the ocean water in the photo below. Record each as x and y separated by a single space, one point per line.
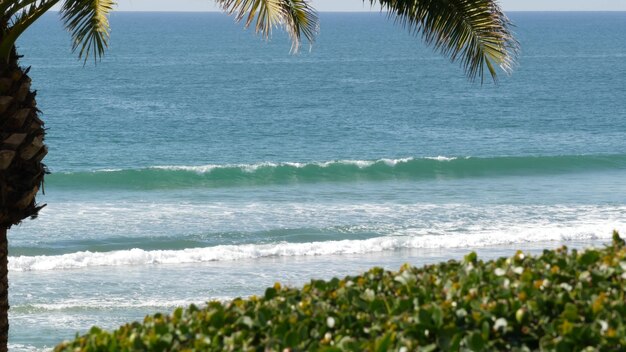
198 162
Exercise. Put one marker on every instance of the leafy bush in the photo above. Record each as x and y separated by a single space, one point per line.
561 300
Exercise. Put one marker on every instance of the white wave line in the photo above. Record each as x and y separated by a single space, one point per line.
323 164
252 251
116 304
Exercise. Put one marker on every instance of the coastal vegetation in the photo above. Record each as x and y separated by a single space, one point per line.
561 300
474 33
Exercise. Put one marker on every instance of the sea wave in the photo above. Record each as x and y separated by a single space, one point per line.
267 173
19 347
85 259
78 305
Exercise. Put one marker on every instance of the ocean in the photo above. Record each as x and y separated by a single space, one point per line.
198 162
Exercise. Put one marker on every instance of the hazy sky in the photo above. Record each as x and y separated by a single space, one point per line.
357 5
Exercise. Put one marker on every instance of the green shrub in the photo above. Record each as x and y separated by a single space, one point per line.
561 300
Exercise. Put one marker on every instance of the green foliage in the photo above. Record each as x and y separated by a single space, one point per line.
88 22
298 17
475 33
559 301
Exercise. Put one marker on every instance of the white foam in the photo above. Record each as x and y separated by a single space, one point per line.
122 303
394 162
108 170
296 165
18 347
443 158
254 167
402 240
198 169
361 164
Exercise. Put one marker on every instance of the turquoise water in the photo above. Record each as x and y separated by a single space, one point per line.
198 162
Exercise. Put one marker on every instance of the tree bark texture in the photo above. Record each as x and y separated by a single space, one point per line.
21 145
4 290
21 168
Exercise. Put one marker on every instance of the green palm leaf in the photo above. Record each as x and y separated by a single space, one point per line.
17 7
475 33
296 16
17 16
87 21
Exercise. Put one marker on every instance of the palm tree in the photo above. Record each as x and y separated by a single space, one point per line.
473 32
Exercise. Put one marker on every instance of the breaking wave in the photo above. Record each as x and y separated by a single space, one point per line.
267 173
137 256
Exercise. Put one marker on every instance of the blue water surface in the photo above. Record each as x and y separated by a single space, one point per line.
196 161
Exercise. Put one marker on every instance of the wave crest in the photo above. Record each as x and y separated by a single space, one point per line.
267 173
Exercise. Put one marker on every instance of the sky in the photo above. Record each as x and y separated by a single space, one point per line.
357 5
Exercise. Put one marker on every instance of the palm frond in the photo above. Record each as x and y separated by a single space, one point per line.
8 8
88 23
296 16
22 10
4 6
300 19
21 14
475 33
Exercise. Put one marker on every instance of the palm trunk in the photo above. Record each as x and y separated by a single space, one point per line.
4 290
21 169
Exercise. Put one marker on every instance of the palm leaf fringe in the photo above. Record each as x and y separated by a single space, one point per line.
475 33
